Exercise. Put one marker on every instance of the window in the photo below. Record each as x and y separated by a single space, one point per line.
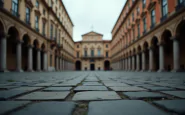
37 23
77 46
181 1
15 4
27 15
77 55
43 28
44 12
56 33
133 32
138 10
85 52
152 18
92 53
51 31
99 52
107 54
144 3
37 4
164 8
56 1
144 25
107 45
50 60
132 16
138 30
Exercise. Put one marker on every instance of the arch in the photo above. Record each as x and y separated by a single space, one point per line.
78 65
154 45
2 28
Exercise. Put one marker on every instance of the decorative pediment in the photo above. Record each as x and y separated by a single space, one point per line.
151 5
29 3
92 33
143 13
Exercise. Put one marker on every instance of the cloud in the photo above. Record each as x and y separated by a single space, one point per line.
102 14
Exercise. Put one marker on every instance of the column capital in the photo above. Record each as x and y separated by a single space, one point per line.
19 41
161 43
151 48
3 35
38 49
30 46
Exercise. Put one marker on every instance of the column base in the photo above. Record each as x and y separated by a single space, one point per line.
30 70
151 71
177 70
4 71
19 70
162 70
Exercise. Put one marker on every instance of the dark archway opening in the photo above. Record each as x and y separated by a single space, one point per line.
146 50
25 44
107 65
35 49
155 54
78 65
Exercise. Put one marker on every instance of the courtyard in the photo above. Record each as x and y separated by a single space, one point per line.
92 93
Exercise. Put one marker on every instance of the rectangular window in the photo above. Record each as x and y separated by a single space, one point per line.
138 10
144 3
164 7
107 45
132 16
15 4
43 28
77 55
56 34
50 60
51 31
37 23
144 25
138 30
37 4
92 53
99 52
152 18
28 15
107 54
85 52
133 32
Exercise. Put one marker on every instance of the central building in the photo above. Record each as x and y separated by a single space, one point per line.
92 53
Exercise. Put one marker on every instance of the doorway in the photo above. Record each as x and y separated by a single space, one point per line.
92 67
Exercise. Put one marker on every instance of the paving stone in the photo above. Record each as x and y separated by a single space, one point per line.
159 88
48 108
64 85
96 95
92 84
177 106
90 88
180 94
115 84
28 88
130 88
5 94
7 87
7 106
43 84
123 107
58 89
142 95
45 96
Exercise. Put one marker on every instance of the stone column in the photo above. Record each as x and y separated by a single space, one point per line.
123 64
133 63
38 60
19 56
64 64
151 59
60 63
143 61
3 67
57 63
176 55
126 64
161 58
129 63
45 61
30 58
138 62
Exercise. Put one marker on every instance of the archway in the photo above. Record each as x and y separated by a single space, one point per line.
140 58
11 48
135 63
35 49
107 65
168 50
146 51
42 56
78 65
180 36
155 53
26 41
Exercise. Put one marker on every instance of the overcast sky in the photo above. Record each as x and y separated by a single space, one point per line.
97 15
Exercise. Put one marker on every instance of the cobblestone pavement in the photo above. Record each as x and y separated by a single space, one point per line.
92 93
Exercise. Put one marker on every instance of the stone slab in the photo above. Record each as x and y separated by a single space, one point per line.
176 106
10 93
92 84
115 84
7 87
159 88
96 95
43 84
7 106
58 89
142 95
90 88
28 88
64 84
48 108
45 96
130 88
123 107
180 94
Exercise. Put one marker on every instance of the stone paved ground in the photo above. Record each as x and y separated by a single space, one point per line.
92 93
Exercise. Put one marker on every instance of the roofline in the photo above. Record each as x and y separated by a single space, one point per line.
119 15
92 31
67 12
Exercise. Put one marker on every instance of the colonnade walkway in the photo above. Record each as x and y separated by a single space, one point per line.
92 93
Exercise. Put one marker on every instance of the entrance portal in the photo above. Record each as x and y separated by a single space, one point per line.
92 67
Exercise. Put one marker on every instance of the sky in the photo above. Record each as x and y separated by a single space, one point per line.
93 15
